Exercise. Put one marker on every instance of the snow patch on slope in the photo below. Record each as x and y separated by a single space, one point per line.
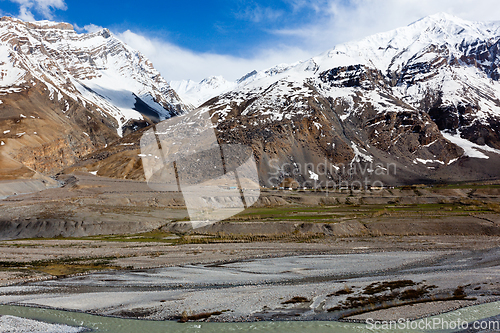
9 74
471 149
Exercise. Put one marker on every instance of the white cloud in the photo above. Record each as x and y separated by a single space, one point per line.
176 63
341 21
334 22
317 5
337 21
43 7
258 14
25 14
90 28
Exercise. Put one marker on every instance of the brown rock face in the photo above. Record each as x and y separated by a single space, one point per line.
48 135
50 112
411 134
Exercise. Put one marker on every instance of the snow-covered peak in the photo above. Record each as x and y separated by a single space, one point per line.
388 50
267 73
196 93
442 17
44 24
421 41
444 26
246 76
95 67
182 86
214 81
451 21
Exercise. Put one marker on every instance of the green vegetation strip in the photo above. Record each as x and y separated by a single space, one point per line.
61 267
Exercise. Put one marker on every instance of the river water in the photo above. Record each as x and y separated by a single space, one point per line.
94 323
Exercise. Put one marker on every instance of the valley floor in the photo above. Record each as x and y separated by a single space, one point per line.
326 280
116 248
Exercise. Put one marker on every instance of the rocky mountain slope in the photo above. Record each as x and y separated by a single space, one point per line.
64 95
416 104
420 103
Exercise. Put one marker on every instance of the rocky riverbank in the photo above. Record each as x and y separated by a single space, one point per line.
272 281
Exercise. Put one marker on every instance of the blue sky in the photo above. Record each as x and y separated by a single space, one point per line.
195 39
218 26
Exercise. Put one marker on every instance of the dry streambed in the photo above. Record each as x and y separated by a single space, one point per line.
319 287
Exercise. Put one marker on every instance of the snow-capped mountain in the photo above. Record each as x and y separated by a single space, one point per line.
65 94
258 75
416 104
425 97
101 68
196 93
